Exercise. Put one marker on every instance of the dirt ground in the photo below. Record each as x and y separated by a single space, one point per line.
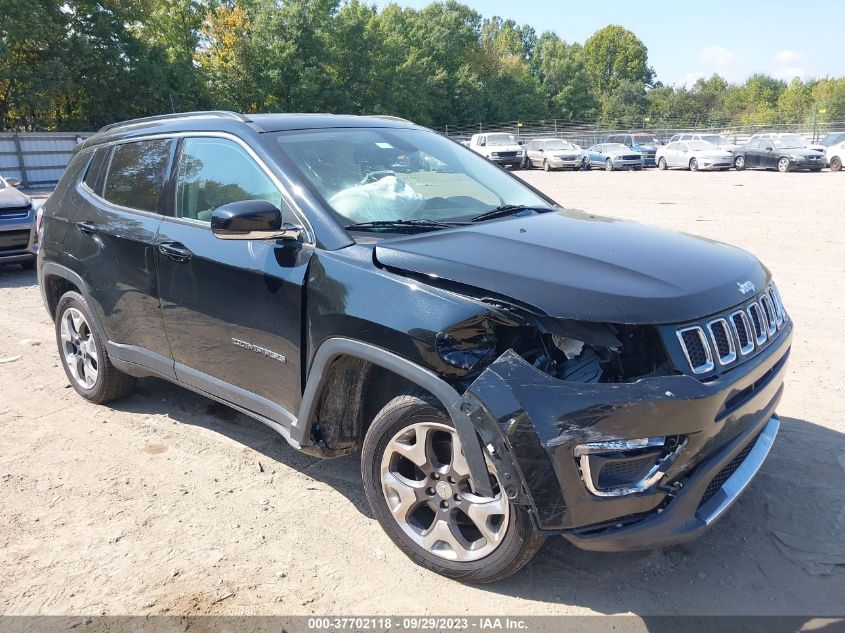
168 503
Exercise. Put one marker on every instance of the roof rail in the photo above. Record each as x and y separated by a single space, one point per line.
223 114
388 117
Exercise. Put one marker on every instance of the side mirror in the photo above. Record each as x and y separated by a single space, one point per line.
13 182
252 220
769 149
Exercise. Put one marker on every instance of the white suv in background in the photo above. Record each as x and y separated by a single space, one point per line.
834 155
499 147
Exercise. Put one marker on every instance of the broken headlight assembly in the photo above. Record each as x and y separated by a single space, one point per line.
467 349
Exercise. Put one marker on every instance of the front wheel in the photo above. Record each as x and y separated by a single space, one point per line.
586 165
546 166
739 163
835 164
783 165
661 164
416 480
693 165
608 165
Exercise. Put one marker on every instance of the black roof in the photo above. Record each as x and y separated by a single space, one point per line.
224 121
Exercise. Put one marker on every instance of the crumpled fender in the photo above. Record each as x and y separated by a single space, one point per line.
529 423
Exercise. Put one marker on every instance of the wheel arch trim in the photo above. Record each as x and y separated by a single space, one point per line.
333 348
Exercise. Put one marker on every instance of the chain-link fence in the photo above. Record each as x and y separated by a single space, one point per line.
586 133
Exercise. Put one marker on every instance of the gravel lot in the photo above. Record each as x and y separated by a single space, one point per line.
168 503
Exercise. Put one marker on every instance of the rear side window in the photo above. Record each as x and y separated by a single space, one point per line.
137 173
95 168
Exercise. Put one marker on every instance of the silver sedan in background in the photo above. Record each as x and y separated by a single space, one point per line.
693 155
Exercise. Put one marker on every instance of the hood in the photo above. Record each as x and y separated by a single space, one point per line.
504 148
715 153
11 198
577 266
648 147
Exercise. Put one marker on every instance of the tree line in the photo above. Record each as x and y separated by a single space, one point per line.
80 64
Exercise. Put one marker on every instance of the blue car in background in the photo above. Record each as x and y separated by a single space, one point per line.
645 144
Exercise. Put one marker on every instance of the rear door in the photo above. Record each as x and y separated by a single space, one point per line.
232 308
113 238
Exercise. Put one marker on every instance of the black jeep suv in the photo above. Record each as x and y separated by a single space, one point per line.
509 369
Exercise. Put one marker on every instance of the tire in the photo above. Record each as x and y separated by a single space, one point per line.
661 164
92 375
608 165
739 163
835 163
516 166
783 165
546 166
693 165
588 166
28 265
438 497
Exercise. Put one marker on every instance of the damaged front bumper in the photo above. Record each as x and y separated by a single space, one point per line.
706 440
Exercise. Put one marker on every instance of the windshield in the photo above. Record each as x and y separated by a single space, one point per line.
645 140
501 139
700 145
616 147
716 139
559 145
832 139
789 142
383 174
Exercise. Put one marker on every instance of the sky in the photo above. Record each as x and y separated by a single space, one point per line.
687 40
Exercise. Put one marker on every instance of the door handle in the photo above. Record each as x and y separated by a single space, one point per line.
175 251
87 228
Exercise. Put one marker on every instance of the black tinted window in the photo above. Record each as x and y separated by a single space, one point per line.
136 174
95 168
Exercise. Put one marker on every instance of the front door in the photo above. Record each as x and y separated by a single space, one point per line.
232 308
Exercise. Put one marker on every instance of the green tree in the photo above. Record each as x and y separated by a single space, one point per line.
613 55
795 103
563 75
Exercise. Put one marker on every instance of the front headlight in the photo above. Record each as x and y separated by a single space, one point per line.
467 348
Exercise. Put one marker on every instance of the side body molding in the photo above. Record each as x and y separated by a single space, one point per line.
333 348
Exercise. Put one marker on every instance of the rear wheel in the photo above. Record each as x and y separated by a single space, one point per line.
835 163
608 165
84 357
661 164
417 484
739 163
783 165
693 165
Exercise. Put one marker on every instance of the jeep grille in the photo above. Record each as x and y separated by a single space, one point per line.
721 341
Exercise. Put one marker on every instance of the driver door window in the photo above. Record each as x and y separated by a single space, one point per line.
217 171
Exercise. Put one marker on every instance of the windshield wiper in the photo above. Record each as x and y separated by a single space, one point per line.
506 210
424 225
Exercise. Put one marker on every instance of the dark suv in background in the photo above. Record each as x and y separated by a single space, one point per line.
509 369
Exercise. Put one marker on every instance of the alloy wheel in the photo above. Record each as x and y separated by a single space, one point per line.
783 165
79 348
425 481
835 163
608 165
739 163
661 164
546 166
693 165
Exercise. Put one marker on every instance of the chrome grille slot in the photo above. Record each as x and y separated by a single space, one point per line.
776 301
756 315
723 343
742 331
696 349
768 313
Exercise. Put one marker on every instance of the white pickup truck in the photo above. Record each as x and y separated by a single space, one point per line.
499 147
